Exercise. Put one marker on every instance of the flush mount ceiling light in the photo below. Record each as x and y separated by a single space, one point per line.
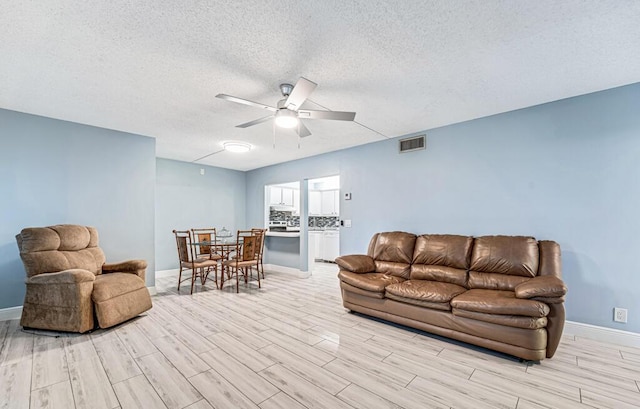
236 147
286 118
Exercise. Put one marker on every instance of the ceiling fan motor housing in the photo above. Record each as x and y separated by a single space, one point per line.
286 89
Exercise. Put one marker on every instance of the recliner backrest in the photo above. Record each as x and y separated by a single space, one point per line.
58 248
442 257
503 262
392 252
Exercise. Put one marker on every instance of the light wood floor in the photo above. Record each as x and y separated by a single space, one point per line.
292 345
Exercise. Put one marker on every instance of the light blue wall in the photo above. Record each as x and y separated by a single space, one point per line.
186 199
565 171
61 172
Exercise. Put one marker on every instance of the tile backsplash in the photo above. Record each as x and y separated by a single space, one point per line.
318 222
284 216
323 221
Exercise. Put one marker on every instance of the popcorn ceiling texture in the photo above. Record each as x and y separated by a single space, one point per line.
153 68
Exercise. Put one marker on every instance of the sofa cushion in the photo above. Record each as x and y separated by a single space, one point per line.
402 270
494 281
447 250
393 246
499 302
424 290
439 273
369 281
516 321
112 285
512 255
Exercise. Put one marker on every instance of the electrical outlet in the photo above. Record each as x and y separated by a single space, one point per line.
620 315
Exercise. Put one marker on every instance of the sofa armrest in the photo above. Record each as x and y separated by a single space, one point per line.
72 276
137 267
541 287
356 263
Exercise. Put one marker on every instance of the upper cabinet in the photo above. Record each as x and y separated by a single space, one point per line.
275 195
284 196
324 203
315 203
296 202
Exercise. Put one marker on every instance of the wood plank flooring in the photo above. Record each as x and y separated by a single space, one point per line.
292 345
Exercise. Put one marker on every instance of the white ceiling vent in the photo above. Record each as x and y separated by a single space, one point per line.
415 143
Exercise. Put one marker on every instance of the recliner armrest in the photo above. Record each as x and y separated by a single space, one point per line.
541 287
357 263
72 276
137 267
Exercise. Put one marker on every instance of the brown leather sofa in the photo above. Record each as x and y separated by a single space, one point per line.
499 292
69 283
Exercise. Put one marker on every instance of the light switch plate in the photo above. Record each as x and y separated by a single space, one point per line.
347 196
347 223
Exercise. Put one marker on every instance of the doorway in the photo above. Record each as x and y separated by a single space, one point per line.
323 239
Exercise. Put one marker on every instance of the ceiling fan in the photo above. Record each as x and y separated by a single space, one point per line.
287 113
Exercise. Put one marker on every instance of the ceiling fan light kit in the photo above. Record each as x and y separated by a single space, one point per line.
236 147
286 118
287 114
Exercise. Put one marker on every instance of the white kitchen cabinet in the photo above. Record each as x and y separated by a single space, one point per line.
315 203
287 196
330 245
315 245
330 202
296 202
275 195
284 196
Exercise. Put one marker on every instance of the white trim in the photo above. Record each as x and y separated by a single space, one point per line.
12 313
604 334
152 290
167 273
287 270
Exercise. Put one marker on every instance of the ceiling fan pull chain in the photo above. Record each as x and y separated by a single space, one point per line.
274 135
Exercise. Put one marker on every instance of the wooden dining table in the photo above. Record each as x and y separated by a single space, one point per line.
221 247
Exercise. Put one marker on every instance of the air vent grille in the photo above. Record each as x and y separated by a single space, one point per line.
415 143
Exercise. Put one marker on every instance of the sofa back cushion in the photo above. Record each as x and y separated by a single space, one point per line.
442 257
503 262
58 248
392 252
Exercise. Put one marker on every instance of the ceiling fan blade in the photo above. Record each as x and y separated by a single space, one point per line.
246 102
302 130
255 122
300 93
334 115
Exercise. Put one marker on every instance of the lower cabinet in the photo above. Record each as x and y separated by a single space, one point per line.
315 245
331 245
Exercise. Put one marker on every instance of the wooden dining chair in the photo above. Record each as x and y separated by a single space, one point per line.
245 259
200 267
206 250
260 248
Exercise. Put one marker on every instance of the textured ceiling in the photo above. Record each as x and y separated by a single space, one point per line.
153 67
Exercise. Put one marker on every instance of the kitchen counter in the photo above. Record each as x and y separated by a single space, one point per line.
282 234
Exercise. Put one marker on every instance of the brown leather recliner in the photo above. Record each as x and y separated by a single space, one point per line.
68 282
500 292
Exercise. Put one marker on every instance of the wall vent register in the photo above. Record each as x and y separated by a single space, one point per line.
413 144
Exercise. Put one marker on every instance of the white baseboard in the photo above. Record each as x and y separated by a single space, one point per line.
167 273
596 333
12 313
287 270
152 290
